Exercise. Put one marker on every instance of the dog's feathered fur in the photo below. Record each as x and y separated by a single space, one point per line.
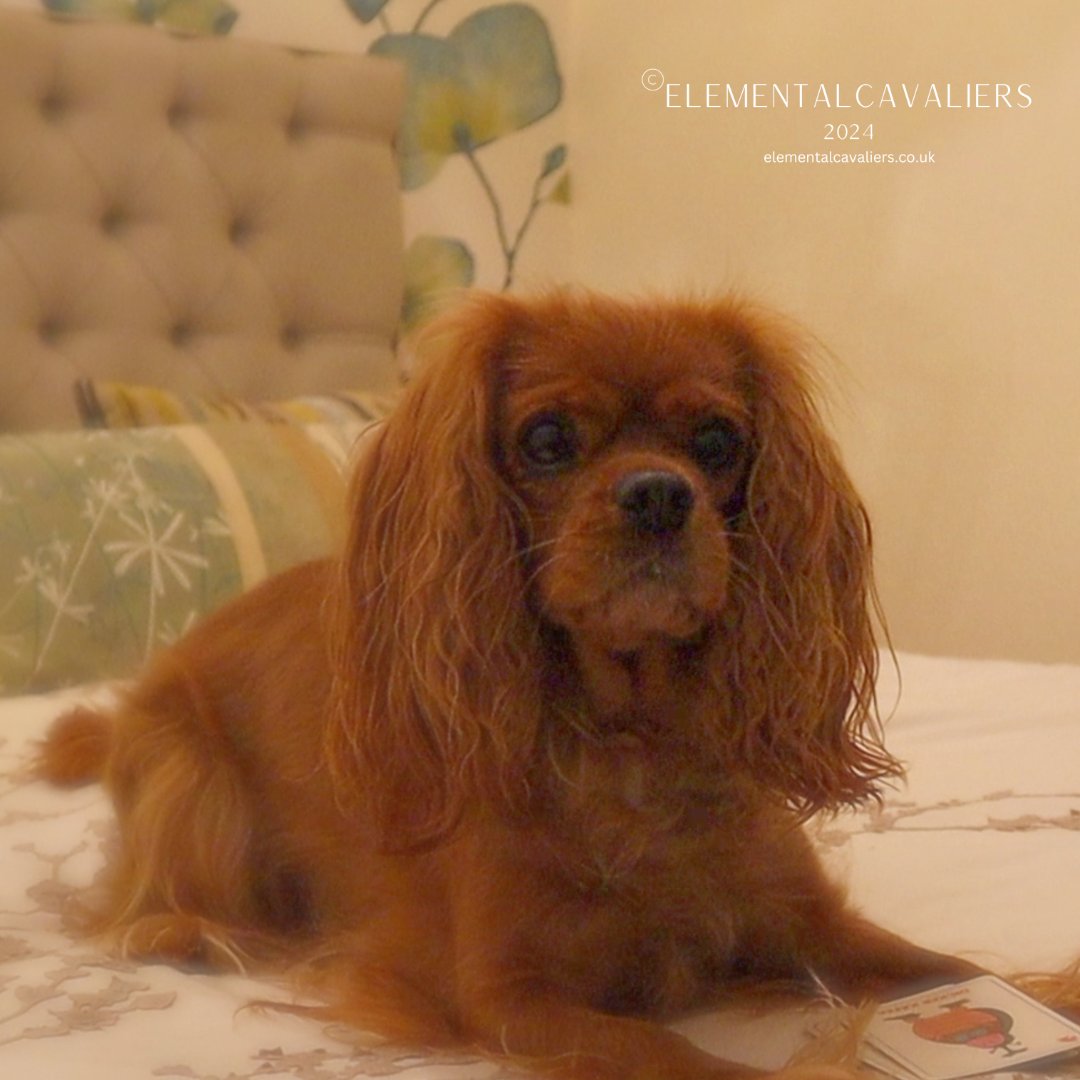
524 768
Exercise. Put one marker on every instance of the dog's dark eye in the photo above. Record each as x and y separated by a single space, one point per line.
717 445
549 441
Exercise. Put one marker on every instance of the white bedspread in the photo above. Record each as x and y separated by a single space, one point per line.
979 853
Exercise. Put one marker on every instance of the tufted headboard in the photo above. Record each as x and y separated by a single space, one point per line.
208 215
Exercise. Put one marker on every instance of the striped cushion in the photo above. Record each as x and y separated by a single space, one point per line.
104 404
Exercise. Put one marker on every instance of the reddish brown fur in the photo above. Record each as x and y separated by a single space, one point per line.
515 771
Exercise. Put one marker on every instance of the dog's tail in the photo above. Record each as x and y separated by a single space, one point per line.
76 749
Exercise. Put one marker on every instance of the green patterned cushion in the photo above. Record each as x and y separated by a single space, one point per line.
113 543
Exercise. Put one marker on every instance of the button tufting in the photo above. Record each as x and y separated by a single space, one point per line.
114 219
181 334
240 230
54 104
292 337
50 329
177 114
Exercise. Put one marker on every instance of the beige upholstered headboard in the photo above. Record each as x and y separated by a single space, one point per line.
207 215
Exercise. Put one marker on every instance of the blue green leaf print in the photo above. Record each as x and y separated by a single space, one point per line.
494 74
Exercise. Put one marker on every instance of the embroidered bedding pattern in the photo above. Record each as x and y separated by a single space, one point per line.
67 1007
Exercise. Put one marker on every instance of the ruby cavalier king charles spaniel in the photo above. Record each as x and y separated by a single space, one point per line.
523 768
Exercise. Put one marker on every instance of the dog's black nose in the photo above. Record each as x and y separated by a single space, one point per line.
655 501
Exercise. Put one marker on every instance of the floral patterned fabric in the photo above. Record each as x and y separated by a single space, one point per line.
113 543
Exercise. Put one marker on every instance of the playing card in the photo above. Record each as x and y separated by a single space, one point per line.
982 1025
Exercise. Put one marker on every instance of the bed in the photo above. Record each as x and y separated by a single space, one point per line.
977 854
200 280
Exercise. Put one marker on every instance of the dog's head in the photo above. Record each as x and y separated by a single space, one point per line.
640 492
627 437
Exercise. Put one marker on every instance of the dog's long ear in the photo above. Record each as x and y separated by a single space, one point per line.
435 656
803 656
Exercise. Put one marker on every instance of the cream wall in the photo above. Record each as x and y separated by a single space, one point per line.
948 291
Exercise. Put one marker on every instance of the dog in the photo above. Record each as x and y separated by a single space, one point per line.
525 766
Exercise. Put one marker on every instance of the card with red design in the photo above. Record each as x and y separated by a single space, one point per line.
979 1026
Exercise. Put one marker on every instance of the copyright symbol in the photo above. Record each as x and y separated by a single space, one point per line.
653 79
